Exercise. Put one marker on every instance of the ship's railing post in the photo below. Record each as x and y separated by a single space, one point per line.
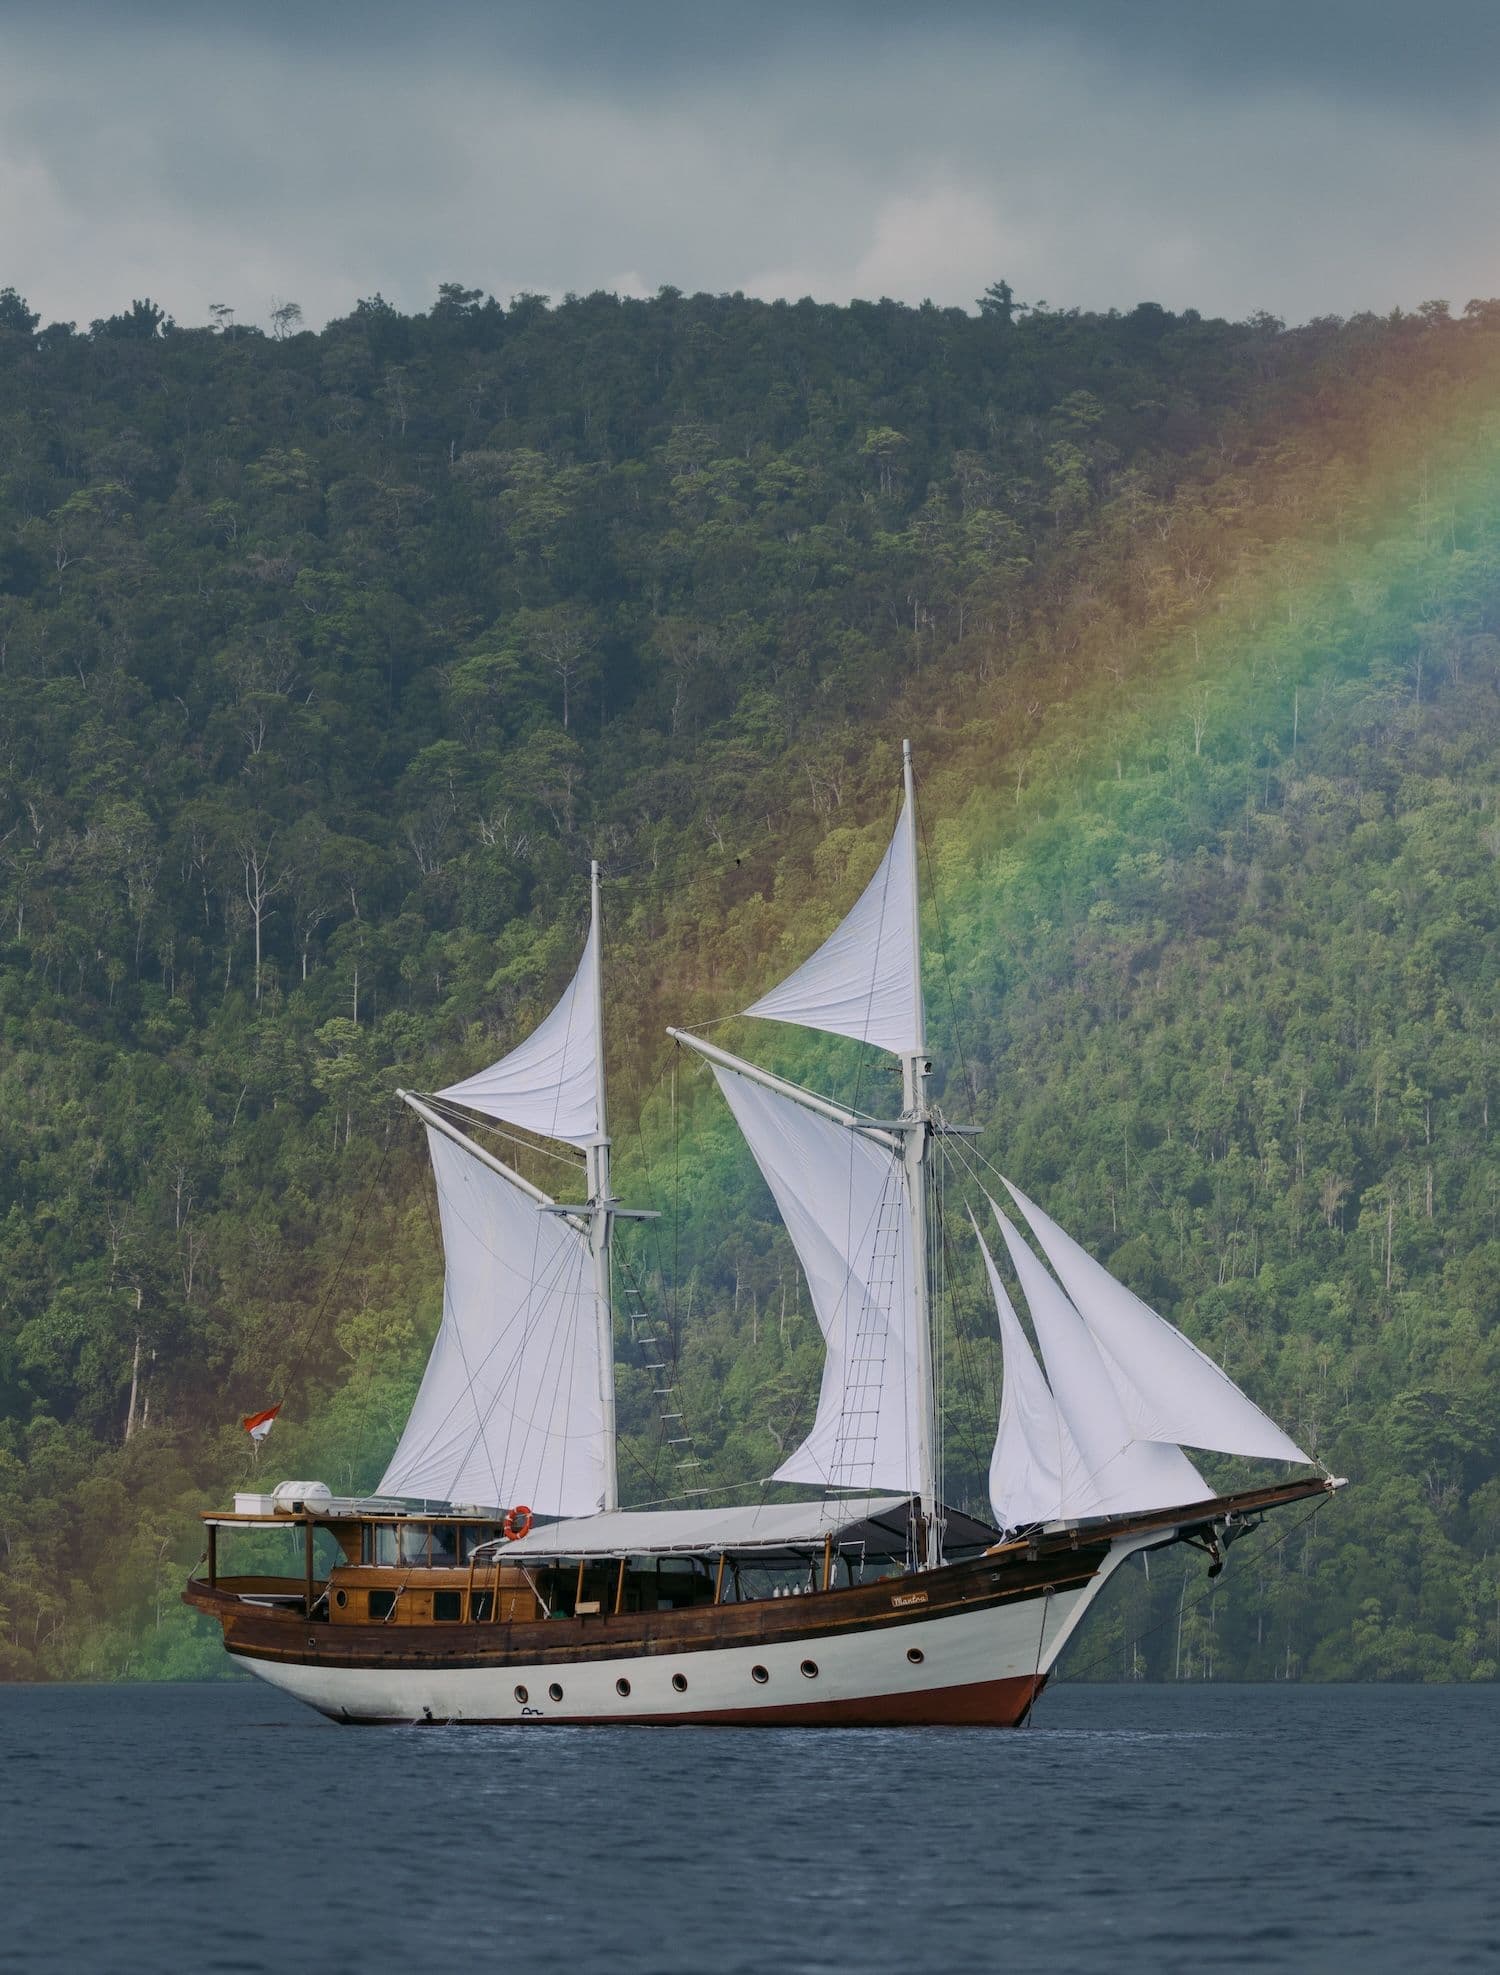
308 1565
213 1555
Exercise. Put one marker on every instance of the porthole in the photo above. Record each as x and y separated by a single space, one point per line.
809 1669
522 1696
679 1682
759 1675
915 1655
622 1688
341 1598
555 1692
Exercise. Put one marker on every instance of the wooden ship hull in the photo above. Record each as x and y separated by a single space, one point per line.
970 1643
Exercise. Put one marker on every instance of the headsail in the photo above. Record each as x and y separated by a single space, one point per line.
864 980
550 1083
1036 1471
1167 1388
843 1200
1127 1474
510 1406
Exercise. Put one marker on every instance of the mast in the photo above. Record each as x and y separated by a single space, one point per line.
601 1221
916 1140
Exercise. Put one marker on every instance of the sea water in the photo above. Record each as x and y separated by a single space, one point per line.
221 1827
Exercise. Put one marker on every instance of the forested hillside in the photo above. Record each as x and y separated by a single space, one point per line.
327 661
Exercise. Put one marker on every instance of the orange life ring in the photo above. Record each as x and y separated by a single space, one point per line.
517 1523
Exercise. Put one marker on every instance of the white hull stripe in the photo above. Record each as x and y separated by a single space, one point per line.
1009 1642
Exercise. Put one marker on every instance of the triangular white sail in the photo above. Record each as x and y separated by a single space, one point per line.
843 1201
510 1406
1036 1471
1167 1388
863 981
1127 1474
550 1083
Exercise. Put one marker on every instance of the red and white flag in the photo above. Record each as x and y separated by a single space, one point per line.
258 1425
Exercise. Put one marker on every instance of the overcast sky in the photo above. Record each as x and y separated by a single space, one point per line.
1307 159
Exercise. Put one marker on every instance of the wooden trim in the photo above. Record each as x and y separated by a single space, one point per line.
1015 1573
257 1632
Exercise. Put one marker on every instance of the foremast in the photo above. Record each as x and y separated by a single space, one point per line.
558 1327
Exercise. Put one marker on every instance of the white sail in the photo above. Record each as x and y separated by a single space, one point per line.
843 1201
864 979
1036 1471
550 1083
510 1406
1167 1388
1127 1474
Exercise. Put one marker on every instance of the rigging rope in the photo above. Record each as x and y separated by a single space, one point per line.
1173 1618
473 1124
970 1086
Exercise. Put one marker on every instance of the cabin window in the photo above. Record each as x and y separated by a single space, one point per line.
522 1696
555 1691
414 1543
444 1545
809 1669
387 1537
382 1604
447 1606
470 1536
679 1681
759 1675
622 1688
915 1655
341 1598
682 1582
481 1606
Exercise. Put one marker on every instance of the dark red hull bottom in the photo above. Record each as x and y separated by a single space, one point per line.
984 1704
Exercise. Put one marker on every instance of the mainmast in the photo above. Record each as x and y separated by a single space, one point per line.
916 1139
852 1192
602 1219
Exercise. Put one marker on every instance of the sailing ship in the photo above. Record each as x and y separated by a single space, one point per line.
495 1576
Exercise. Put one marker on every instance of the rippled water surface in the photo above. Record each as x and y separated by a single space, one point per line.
224 1828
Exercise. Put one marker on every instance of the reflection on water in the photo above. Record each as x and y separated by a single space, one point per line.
1129 1829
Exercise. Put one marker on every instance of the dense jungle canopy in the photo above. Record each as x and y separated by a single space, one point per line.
327 662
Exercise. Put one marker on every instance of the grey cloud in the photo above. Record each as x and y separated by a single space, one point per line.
574 148
1446 52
